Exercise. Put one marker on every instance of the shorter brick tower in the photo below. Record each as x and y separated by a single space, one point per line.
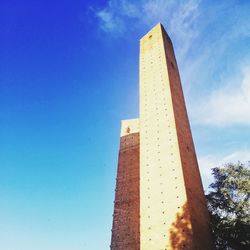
126 221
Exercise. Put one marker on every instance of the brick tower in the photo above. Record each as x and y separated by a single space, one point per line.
159 202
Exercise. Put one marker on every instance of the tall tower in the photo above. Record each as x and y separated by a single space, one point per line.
170 211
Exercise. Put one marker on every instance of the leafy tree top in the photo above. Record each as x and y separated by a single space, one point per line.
229 206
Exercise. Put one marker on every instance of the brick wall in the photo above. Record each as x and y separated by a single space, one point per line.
125 231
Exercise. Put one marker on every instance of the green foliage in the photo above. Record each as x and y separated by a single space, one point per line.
229 207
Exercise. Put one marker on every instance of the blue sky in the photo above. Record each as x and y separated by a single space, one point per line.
69 74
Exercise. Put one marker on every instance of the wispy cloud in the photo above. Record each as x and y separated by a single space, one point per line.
228 105
183 25
179 18
109 21
111 17
207 162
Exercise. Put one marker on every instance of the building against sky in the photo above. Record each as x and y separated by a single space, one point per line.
159 201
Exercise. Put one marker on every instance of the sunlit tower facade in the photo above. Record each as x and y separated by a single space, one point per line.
159 201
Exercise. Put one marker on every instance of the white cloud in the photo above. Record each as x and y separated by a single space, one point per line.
111 17
129 9
107 18
207 162
109 21
228 105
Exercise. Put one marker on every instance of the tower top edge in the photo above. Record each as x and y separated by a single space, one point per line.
156 29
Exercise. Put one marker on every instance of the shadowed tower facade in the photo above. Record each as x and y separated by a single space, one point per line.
162 205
